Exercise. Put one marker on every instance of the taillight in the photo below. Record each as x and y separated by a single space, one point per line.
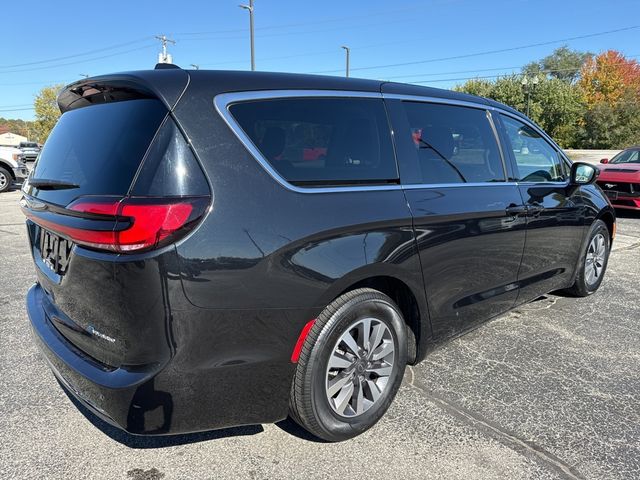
126 225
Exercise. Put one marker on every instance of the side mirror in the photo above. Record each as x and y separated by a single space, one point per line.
604 160
583 173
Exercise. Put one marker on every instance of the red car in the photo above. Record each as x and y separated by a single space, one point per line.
620 178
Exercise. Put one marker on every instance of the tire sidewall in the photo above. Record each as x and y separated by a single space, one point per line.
9 180
337 427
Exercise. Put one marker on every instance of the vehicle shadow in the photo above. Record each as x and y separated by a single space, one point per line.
289 426
158 441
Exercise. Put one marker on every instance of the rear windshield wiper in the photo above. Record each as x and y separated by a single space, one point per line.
46 184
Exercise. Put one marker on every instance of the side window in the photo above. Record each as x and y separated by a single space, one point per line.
453 144
536 159
322 141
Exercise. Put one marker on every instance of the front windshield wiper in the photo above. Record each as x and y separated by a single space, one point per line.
46 184
428 145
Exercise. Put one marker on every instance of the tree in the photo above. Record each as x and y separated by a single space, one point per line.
607 78
563 64
47 111
556 105
608 125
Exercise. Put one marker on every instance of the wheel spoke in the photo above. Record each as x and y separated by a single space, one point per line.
376 338
337 384
364 331
382 370
343 399
382 351
373 388
339 360
359 406
350 342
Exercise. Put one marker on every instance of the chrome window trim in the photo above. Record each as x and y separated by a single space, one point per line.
223 101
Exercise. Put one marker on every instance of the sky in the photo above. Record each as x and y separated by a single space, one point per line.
438 43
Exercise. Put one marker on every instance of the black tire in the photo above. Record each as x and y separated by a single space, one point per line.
4 173
582 287
309 404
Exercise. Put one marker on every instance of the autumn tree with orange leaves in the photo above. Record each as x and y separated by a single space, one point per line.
609 78
610 86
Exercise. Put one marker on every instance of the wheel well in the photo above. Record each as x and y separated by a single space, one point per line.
607 218
8 168
402 295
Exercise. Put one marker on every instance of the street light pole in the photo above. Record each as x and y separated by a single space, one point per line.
348 54
253 54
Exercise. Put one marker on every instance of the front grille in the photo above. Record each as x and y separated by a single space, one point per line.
621 188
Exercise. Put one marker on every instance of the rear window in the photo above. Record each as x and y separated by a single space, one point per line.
322 141
99 148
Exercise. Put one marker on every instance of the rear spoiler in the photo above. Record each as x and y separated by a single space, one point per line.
167 85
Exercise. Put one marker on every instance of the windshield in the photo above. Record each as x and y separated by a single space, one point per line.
29 145
628 156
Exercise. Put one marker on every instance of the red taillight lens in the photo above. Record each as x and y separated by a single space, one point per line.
152 224
129 224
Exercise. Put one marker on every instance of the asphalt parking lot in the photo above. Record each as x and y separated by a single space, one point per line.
551 390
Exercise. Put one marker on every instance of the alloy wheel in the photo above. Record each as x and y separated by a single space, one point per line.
3 181
594 261
359 367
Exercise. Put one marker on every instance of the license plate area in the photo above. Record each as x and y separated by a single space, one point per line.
55 251
613 195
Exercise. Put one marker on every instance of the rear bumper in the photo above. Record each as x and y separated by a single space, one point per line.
195 390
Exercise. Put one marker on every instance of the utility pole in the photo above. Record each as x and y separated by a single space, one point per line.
165 57
348 52
253 53
196 67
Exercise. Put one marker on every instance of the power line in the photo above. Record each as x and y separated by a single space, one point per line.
89 52
46 67
488 52
557 70
16 109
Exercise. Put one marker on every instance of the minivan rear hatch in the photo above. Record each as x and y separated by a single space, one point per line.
115 182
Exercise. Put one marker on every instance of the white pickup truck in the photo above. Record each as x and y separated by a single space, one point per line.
12 167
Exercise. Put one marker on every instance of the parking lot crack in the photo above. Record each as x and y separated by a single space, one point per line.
506 438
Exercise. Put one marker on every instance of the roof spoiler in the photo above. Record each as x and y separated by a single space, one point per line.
166 84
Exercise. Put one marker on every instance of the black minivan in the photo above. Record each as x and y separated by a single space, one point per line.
222 248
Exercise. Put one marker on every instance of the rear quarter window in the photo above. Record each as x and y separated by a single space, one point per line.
321 141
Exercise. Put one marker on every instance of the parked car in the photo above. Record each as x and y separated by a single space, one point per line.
620 178
12 167
30 151
193 272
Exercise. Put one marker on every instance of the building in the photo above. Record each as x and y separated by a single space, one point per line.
9 139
